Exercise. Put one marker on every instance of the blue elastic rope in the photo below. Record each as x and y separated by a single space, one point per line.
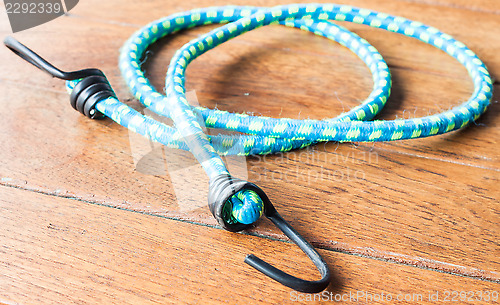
269 135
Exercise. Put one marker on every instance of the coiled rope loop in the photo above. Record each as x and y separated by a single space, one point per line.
270 135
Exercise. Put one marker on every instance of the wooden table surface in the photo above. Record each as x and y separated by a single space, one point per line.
81 222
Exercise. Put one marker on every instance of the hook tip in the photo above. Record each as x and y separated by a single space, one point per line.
286 279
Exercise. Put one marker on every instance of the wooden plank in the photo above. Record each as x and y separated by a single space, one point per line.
409 100
408 55
245 92
57 251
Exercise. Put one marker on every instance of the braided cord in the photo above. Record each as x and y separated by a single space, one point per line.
269 135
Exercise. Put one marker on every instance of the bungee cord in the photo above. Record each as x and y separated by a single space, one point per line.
235 203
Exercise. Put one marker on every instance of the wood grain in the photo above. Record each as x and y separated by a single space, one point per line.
430 203
62 251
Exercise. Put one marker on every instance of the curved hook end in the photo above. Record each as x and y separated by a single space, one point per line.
36 60
33 58
223 187
280 276
286 279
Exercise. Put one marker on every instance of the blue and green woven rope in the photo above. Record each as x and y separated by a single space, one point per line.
266 135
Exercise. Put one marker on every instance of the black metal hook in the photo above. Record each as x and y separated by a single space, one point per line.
36 60
224 187
92 88
284 278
